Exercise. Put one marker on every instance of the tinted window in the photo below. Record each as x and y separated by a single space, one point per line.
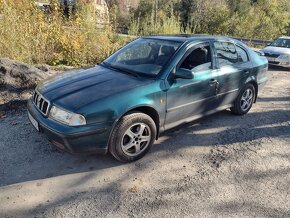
242 55
198 60
226 53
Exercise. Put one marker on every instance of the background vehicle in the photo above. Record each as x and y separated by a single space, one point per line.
150 85
278 52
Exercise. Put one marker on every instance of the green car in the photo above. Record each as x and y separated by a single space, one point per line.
150 85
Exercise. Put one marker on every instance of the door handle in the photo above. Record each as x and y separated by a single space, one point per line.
246 71
213 82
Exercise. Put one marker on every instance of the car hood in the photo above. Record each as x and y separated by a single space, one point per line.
277 50
75 89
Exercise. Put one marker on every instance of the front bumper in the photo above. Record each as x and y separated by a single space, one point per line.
84 139
278 62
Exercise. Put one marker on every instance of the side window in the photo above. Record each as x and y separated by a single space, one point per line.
242 55
198 60
226 53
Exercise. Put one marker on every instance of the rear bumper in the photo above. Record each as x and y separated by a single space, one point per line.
261 84
86 139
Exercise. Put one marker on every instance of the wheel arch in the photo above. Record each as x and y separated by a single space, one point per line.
148 110
151 112
255 84
252 80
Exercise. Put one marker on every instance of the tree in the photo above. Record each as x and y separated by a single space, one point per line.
264 19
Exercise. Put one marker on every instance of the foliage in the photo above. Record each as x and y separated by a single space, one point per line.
30 35
142 20
27 34
262 19
265 19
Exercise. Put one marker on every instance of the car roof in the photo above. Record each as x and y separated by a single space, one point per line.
285 37
189 37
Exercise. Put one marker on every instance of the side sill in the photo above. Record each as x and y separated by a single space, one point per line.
195 117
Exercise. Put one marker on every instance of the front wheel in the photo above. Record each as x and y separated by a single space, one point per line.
245 100
132 137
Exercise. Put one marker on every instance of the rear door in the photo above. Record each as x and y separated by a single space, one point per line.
233 68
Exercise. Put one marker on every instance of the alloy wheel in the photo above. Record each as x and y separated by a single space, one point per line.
136 139
247 99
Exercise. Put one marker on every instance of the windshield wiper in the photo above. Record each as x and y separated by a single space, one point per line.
107 65
121 69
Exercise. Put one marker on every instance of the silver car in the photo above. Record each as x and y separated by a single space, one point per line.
278 52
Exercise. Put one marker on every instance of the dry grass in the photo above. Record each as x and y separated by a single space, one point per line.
146 27
32 36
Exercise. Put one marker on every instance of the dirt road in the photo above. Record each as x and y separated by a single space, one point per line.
219 166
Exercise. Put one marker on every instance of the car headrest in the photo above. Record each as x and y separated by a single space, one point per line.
167 50
200 55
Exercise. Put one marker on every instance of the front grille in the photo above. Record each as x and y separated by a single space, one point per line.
271 55
41 103
274 62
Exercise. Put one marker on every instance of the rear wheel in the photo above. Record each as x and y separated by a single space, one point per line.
245 100
132 137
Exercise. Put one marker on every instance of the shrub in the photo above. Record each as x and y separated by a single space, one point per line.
28 34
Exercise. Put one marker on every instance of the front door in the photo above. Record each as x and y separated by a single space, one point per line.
187 98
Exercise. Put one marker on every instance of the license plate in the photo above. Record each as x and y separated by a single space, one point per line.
271 59
33 121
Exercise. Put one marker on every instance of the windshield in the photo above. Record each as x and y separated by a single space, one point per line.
281 42
143 56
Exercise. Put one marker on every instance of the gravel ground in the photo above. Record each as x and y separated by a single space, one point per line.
218 166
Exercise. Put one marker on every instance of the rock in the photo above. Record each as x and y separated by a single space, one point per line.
17 75
44 68
17 82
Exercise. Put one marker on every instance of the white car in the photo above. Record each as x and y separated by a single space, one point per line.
278 52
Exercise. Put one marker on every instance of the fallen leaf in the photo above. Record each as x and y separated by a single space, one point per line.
2 115
134 189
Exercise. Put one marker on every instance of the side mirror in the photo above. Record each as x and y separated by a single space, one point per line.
183 73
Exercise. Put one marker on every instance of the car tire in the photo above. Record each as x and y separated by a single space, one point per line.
132 137
245 100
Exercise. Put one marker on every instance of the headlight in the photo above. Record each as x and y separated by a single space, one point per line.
66 117
284 57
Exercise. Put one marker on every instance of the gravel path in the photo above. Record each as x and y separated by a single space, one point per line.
218 166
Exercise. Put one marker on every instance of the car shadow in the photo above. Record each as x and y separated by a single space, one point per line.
226 128
42 160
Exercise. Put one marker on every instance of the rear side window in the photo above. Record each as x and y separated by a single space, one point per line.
226 53
242 55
